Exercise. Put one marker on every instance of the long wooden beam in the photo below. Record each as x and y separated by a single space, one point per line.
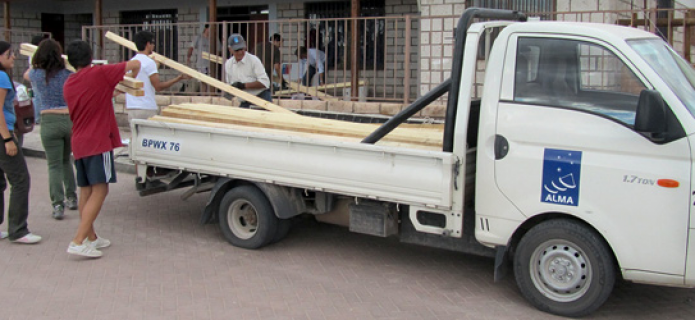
202 77
312 91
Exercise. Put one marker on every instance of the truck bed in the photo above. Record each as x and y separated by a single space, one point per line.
314 162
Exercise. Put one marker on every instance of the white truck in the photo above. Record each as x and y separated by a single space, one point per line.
576 165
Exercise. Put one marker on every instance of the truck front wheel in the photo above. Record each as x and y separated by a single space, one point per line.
246 218
565 268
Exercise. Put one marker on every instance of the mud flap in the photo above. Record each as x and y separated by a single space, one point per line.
501 263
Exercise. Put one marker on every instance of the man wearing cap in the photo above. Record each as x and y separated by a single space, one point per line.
245 71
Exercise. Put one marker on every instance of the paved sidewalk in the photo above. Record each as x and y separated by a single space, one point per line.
32 147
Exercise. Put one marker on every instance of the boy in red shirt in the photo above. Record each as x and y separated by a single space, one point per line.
88 94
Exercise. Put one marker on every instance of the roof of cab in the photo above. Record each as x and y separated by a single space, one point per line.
588 29
581 28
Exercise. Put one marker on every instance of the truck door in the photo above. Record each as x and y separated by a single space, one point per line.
566 145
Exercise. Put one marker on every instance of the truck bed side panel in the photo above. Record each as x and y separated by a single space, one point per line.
393 174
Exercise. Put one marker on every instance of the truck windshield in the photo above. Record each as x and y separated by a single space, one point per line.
675 71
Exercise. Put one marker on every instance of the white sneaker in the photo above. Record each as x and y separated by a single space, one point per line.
85 250
4 234
99 243
28 239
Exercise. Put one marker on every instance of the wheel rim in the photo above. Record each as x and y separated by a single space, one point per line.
560 270
242 219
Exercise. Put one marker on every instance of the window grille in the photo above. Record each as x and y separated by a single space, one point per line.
160 22
334 35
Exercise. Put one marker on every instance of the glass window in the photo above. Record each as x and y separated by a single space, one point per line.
676 72
577 75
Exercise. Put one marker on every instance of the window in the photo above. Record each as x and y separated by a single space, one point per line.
334 35
160 22
577 75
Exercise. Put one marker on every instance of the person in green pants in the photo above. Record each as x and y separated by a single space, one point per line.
48 75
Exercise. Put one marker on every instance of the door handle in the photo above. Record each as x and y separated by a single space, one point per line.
501 147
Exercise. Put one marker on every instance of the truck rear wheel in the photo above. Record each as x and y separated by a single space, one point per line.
246 218
565 268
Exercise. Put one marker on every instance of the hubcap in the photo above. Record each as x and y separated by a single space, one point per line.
242 219
560 271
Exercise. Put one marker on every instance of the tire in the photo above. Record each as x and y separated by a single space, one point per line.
564 268
247 219
284 226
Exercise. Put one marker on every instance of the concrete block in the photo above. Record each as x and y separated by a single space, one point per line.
390 108
119 107
434 111
220 101
180 99
201 99
290 104
366 107
162 100
314 105
341 106
441 10
120 98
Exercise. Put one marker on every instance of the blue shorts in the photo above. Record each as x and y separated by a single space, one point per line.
95 169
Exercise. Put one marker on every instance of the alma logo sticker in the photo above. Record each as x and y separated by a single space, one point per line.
561 173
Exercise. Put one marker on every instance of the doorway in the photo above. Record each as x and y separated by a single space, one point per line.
55 24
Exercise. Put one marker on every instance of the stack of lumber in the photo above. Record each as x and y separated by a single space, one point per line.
421 136
128 85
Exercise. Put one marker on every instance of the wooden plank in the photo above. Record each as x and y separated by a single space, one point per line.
312 91
202 77
212 57
326 87
131 82
263 119
129 90
286 132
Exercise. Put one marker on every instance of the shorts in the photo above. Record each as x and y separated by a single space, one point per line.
95 169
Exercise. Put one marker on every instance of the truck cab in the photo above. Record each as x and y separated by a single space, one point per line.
584 158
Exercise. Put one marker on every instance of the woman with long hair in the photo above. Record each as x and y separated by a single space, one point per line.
12 163
48 75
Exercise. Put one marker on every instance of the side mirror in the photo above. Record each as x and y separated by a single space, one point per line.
650 117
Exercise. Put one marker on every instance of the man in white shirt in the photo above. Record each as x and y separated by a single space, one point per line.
245 71
311 62
146 106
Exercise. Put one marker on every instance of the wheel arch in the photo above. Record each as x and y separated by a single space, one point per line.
542 217
286 201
